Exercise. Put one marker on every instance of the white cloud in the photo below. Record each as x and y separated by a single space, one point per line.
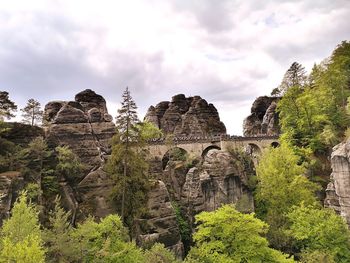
229 52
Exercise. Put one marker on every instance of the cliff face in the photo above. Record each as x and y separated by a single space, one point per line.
263 119
183 116
218 179
86 127
338 189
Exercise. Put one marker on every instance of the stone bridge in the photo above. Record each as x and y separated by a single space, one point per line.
199 146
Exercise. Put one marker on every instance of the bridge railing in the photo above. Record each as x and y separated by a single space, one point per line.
215 138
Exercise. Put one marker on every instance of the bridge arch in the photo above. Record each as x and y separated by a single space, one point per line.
275 144
253 149
175 153
211 147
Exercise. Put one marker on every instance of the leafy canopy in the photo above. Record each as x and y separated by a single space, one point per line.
227 235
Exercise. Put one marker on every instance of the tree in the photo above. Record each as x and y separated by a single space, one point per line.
126 121
32 112
21 235
6 106
226 235
159 254
127 164
35 156
106 241
58 237
130 190
319 230
69 165
294 77
281 185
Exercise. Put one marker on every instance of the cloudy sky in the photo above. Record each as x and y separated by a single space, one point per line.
227 51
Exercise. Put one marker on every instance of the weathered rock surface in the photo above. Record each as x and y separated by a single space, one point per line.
191 116
338 189
84 125
263 119
160 224
10 185
219 181
87 128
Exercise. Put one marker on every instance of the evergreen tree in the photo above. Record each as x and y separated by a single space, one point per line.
21 239
6 106
32 112
58 237
35 157
294 77
126 121
127 164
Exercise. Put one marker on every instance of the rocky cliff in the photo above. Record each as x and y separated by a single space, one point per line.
338 189
191 116
220 178
86 127
263 119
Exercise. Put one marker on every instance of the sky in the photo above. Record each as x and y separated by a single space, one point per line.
227 51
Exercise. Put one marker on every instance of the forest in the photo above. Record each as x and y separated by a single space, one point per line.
289 224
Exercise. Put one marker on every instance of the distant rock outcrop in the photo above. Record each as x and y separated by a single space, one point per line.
191 116
338 189
263 119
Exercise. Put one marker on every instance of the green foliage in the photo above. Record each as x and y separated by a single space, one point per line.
226 235
135 185
58 237
69 165
21 236
320 230
314 114
159 254
7 107
282 185
32 112
185 229
147 131
106 241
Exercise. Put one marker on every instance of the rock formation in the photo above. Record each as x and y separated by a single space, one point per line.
87 128
183 116
219 179
263 119
10 185
338 189
160 224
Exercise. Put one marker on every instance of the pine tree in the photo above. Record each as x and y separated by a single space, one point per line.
126 121
32 112
295 76
59 235
35 157
6 106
